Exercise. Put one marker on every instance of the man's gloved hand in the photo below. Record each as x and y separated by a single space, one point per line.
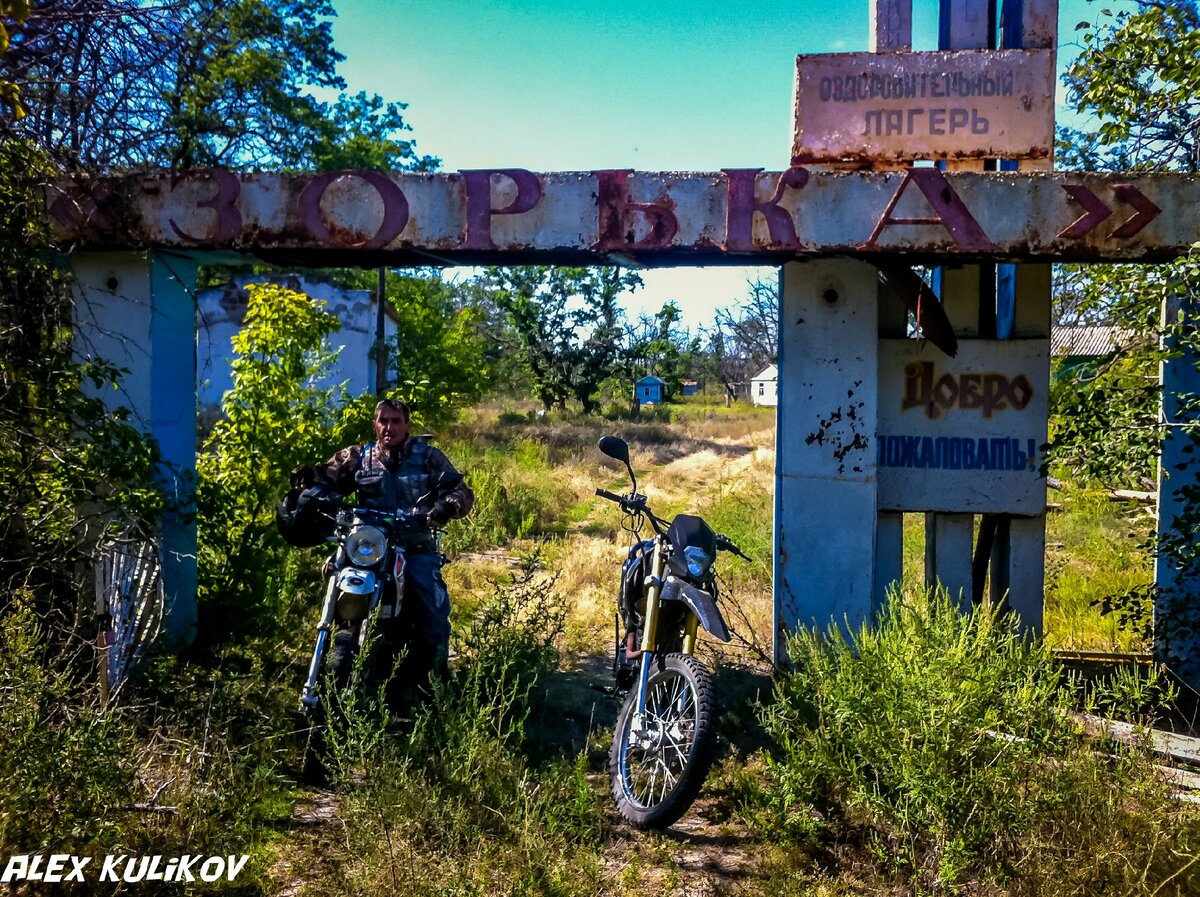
441 514
303 477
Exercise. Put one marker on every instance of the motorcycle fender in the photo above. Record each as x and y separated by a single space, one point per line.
355 581
700 603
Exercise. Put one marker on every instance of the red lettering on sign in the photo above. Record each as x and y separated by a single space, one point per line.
616 211
81 205
223 202
1146 212
395 209
986 393
1094 211
479 201
951 212
739 212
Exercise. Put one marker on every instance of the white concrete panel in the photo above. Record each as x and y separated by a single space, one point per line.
963 434
113 323
136 310
825 463
948 544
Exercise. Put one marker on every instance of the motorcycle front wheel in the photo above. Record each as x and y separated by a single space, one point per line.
657 764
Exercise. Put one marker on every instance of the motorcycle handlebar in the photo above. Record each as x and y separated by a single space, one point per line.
726 544
611 496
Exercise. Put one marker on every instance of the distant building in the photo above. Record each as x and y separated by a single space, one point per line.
220 312
688 387
1082 346
649 389
764 386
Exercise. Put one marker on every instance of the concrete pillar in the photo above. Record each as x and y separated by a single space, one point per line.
1177 570
825 486
136 310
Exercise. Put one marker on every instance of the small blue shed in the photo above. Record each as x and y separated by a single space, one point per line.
649 389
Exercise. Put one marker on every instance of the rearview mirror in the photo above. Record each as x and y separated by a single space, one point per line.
615 447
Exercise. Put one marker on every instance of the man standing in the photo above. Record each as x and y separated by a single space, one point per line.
398 471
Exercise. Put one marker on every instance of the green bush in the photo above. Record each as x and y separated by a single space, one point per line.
515 496
65 764
942 744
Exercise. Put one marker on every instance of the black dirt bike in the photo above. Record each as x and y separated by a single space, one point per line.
366 577
665 736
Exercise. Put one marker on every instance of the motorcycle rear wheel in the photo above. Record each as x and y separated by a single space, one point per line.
657 772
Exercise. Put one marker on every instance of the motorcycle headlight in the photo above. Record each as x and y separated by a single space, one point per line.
697 560
366 546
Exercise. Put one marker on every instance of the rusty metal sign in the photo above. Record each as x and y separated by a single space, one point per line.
902 106
736 216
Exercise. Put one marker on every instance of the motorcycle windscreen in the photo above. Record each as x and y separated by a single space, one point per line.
700 603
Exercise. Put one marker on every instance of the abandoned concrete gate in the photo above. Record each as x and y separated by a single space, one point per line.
873 422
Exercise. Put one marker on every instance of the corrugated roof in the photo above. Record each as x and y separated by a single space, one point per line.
1092 340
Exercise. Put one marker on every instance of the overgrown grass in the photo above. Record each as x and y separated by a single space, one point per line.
938 747
1098 572
187 762
462 802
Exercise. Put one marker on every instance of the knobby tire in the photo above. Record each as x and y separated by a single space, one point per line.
655 777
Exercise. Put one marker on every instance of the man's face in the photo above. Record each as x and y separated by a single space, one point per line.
391 427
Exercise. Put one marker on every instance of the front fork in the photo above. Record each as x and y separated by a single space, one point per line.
658 563
308 697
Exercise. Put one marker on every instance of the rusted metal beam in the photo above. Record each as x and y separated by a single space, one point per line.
736 216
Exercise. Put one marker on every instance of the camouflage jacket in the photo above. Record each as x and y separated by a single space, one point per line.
416 476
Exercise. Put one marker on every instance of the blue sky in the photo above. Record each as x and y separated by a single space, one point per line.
582 84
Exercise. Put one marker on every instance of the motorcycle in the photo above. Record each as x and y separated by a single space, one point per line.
366 575
664 741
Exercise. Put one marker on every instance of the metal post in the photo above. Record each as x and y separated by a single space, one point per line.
380 343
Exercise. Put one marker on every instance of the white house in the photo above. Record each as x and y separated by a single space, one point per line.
764 386
221 310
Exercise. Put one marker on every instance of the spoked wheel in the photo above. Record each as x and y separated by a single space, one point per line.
658 762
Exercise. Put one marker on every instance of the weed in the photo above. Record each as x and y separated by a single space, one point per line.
456 803
941 745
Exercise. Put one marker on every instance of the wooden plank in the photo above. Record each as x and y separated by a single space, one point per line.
964 25
889 554
1027 570
1178 747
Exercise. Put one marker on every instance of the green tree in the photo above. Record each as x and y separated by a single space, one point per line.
439 360
569 324
120 84
277 417
14 11
71 470
665 349
1138 86
1137 89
